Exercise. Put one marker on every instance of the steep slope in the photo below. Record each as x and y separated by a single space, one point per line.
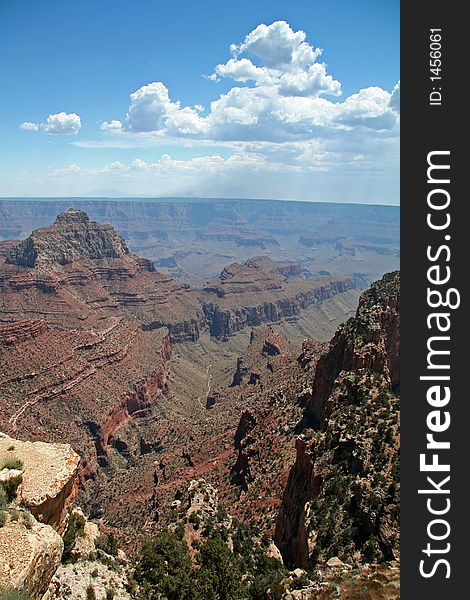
341 498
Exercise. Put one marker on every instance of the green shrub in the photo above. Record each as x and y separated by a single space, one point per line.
90 593
2 518
14 514
195 520
218 577
268 574
28 519
107 543
164 568
11 463
75 529
11 594
8 488
3 498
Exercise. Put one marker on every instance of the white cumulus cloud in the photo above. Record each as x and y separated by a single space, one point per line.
288 62
395 98
277 45
282 114
287 101
149 108
62 123
113 125
28 126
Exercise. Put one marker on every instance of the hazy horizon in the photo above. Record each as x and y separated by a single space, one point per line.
85 197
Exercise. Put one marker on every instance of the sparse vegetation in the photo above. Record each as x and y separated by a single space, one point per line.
11 485
75 529
164 568
3 498
107 543
11 463
14 514
28 519
11 594
90 593
218 577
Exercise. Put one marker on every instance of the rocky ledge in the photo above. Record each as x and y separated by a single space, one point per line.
50 477
39 484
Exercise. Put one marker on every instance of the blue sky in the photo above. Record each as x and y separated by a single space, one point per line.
201 98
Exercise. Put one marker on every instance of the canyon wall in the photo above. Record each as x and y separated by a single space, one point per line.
342 494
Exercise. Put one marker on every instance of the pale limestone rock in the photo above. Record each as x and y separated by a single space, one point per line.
305 594
298 573
11 477
203 498
29 557
85 544
274 552
72 580
50 477
335 563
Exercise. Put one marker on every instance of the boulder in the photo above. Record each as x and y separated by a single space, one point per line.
49 478
30 555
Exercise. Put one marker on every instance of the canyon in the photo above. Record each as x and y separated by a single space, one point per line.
158 379
94 340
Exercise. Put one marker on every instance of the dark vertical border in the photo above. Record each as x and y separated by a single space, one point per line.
426 128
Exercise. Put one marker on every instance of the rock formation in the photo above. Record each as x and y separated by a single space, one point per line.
32 557
193 240
88 331
50 478
370 340
72 237
260 291
29 556
30 545
341 498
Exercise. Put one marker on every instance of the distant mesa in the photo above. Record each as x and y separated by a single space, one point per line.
72 237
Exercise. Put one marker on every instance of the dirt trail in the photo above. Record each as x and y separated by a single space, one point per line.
209 387
93 365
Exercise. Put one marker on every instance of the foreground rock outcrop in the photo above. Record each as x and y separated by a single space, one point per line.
30 554
49 477
37 510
